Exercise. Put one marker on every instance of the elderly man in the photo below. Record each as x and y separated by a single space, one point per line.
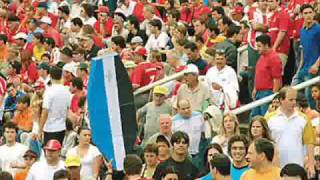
152 111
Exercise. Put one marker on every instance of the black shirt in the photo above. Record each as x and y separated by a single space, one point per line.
92 53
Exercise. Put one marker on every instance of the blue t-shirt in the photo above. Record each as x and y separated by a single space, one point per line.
207 177
237 172
309 39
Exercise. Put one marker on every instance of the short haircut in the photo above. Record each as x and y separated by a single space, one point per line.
163 139
24 100
77 22
178 136
191 45
238 138
39 36
226 20
56 73
293 170
151 148
222 164
232 30
219 10
64 9
306 6
10 125
119 41
132 164
4 175
264 39
50 41
169 170
134 21
283 92
61 174
77 83
265 146
213 28
157 23
174 14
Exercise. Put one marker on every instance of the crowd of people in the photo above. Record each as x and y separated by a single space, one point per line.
230 53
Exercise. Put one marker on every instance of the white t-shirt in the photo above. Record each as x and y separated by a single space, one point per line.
56 100
42 171
11 154
86 161
154 43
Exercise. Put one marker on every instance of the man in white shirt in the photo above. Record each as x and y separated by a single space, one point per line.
45 169
149 15
56 101
157 40
190 122
11 153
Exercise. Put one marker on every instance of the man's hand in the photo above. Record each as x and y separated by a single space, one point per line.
216 86
310 169
40 136
253 95
314 69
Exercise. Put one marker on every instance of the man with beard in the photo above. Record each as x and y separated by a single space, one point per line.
179 159
237 149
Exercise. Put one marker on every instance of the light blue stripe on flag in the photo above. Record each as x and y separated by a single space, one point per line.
104 110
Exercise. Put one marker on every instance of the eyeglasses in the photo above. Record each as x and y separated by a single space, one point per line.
220 51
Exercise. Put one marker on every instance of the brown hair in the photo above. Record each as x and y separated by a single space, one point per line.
236 122
263 122
26 58
151 148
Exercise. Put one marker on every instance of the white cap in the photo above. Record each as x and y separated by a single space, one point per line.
191 68
136 39
46 19
70 67
20 35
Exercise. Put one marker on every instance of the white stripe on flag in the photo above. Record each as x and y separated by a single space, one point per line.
110 81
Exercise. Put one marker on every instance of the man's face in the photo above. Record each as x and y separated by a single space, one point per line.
184 109
19 42
252 156
289 103
52 155
147 14
190 78
151 158
165 124
262 48
163 148
192 55
220 61
308 15
180 147
21 106
75 172
10 135
153 29
117 25
315 93
158 99
238 151
29 161
272 4
215 15
12 91
263 5
199 28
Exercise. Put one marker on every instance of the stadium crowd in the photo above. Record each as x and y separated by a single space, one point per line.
230 52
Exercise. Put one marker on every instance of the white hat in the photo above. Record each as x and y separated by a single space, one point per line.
191 68
136 39
20 35
46 19
70 67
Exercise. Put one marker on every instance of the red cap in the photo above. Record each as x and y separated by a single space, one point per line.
103 9
39 85
141 51
237 10
180 68
53 145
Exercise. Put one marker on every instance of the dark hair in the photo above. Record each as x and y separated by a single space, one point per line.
64 9
191 45
134 21
50 41
223 2
226 20
265 146
211 146
4 175
151 148
219 10
69 125
264 39
232 30
213 28
162 138
88 9
4 38
169 170
264 124
62 174
39 36
237 138
132 164
178 136
56 73
119 41
302 101
24 100
10 125
175 14
16 65
77 22
199 38
47 55
77 83
306 6
293 170
222 164
157 23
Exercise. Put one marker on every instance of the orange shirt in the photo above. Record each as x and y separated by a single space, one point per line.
24 120
22 175
4 53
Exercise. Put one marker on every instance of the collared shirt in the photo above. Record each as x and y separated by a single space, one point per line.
291 134
157 43
144 74
193 126
196 96
268 68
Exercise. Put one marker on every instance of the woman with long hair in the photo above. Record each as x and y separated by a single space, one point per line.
229 128
211 150
90 156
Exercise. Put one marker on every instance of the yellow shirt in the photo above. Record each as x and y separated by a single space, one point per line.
38 51
252 174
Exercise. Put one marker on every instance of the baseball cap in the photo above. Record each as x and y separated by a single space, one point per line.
53 144
70 67
160 90
73 161
20 35
237 10
136 39
102 9
30 153
141 51
44 66
191 68
39 85
45 19
66 51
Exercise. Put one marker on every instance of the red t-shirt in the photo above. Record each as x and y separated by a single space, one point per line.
144 74
138 11
280 21
268 67
54 34
107 26
30 75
